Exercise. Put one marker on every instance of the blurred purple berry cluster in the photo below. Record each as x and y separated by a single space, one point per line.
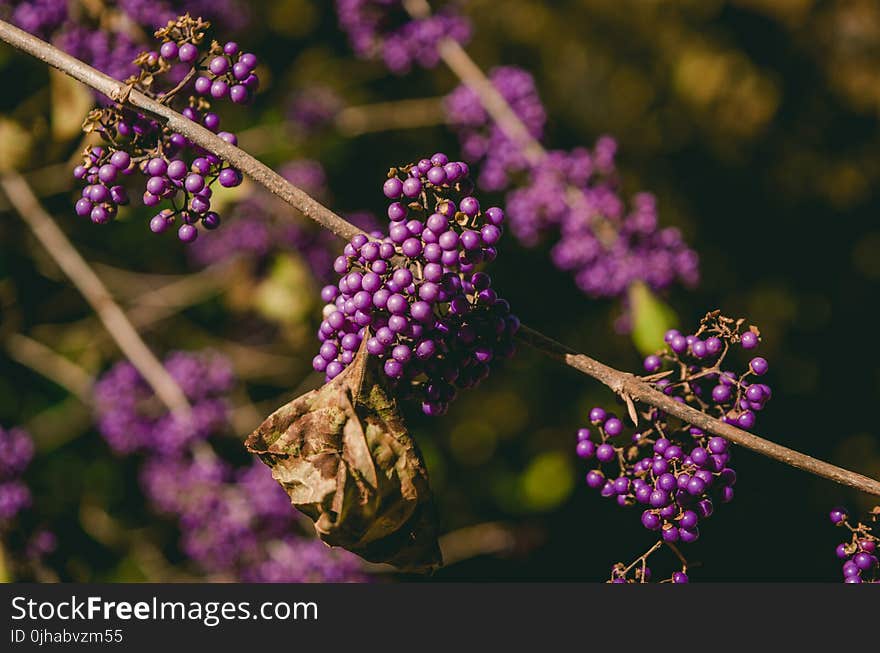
176 170
572 197
415 297
25 545
383 29
676 471
484 142
16 452
313 108
130 417
236 523
109 34
859 554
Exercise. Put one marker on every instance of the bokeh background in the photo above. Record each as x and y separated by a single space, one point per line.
753 121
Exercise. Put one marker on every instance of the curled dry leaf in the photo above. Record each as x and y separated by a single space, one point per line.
344 457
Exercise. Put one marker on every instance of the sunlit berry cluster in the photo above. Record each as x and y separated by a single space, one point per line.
229 72
416 296
675 471
177 171
859 554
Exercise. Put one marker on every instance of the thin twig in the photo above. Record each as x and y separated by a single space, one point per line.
51 180
87 282
384 116
490 538
620 382
40 358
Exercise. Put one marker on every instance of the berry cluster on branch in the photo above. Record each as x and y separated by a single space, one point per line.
415 298
177 171
674 470
859 554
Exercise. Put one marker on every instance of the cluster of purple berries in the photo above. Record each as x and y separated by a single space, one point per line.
602 243
229 73
676 471
16 452
102 195
415 297
383 29
702 382
235 523
176 170
859 555
677 476
128 414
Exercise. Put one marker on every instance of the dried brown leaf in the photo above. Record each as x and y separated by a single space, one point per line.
343 454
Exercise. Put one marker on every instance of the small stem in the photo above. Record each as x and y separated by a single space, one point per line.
679 555
491 538
169 95
642 558
87 282
619 382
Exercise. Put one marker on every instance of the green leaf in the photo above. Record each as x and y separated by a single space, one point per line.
547 481
651 318
70 101
343 454
15 145
286 294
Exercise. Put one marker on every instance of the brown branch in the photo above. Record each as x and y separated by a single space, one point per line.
620 382
629 385
117 90
87 282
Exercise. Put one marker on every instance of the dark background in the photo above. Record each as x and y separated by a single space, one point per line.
754 121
